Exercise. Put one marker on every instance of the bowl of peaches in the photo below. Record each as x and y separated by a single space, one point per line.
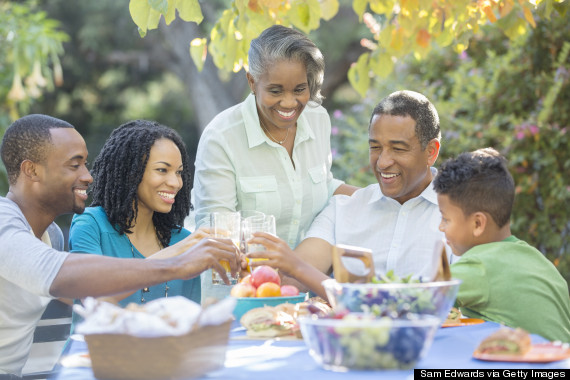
263 288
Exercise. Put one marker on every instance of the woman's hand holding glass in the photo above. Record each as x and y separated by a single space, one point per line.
253 224
276 253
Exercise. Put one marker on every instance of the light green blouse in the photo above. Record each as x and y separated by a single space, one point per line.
239 168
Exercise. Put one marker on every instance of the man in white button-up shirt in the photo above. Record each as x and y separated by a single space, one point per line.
398 220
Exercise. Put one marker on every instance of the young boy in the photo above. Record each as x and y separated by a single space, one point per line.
505 280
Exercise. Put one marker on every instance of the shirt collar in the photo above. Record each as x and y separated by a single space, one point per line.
428 194
255 135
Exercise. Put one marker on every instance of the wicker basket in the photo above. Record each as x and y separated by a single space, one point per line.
119 356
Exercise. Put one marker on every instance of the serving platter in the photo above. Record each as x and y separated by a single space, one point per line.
539 353
463 322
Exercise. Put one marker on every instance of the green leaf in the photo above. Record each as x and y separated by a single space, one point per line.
359 7
358 75
189 10
445 38
160 6
198 51
385 36
382 65
561 8
305 15
329 8
140 10
153 19
382 6
170 13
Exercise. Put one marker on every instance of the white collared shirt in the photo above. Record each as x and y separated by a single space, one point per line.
239 168
402 237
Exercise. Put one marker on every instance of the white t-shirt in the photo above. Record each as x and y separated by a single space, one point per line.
402 237
28 267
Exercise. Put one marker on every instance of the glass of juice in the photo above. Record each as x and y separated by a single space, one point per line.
226 225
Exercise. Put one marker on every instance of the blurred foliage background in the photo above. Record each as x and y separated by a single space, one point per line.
509 93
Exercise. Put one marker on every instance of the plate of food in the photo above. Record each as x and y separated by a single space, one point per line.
455 318
463 322
514 345
281 321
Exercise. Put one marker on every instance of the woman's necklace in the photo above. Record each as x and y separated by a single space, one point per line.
271 136
146 290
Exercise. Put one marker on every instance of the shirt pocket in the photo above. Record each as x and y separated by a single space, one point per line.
319 187
260 193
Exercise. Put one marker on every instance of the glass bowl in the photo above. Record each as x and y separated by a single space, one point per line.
362 342
393 299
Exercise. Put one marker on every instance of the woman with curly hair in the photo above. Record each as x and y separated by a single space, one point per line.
141 196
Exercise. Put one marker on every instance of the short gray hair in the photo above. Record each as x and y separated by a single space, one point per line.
415 105
278 43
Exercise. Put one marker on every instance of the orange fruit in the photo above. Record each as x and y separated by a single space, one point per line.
268 289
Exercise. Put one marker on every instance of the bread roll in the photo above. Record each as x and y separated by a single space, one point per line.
506 341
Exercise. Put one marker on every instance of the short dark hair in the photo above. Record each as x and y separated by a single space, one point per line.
119 168
478 181
27 139
415 105
278 43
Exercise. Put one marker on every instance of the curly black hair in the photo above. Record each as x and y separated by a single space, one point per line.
118 170
27 139
478 181
415 105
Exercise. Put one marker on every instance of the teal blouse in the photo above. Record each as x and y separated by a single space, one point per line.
92 233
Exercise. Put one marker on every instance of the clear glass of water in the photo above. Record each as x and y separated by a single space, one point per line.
256 223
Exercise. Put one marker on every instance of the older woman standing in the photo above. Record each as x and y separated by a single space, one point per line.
271 153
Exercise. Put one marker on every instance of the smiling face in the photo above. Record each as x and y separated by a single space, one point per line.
281 94
401 166
65 173
455 225
162 178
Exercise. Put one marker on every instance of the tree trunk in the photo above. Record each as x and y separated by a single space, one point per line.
209 95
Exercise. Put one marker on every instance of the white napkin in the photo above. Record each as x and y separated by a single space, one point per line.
161 317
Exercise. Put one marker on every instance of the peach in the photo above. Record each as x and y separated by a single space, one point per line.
243 290
263 274
289 290
246 280
268 289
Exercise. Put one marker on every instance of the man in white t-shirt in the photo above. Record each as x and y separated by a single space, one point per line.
397 218
45 159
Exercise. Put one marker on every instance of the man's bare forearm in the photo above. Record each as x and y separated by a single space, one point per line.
92 275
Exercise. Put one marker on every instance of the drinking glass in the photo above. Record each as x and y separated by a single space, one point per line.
226 225
256 223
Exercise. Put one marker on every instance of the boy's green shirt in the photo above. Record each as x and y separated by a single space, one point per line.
512 283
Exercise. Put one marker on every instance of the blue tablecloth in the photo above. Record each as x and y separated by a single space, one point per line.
290 359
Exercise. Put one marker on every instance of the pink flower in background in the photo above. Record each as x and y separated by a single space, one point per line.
334 130
334 152
525 129
463 56
337 114
533 129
